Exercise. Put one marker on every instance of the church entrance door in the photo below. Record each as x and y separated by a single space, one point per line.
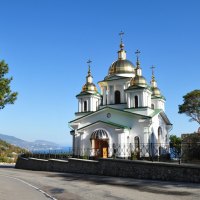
101 147
99 139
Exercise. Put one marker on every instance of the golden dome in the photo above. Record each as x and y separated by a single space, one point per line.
138 81
121 67
155 91
89 87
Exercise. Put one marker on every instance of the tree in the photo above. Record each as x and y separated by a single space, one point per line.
6 95
175 146
191 105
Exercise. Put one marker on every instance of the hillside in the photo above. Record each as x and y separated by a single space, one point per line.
38 145
8 152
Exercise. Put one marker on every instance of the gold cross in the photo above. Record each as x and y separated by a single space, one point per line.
137 53
89 61
152 67
121 34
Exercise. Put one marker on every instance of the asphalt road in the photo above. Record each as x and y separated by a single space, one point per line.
18 184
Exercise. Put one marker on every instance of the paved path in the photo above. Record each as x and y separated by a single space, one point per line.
66 186
12 188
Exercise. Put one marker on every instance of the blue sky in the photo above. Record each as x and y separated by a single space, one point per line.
48 42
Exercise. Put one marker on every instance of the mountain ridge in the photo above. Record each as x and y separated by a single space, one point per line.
9 152
37 145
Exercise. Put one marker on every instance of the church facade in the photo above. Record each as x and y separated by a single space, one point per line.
127 117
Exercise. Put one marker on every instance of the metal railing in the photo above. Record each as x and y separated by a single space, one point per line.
49 154
185 152
150 151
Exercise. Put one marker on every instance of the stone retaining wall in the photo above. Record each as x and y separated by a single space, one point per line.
116 167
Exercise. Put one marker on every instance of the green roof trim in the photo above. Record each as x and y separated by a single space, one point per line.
86 112
88 93
158 97
107 78
162 114
109 123
156 111
107 107
137 88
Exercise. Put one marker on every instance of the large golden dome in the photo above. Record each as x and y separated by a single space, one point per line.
121 67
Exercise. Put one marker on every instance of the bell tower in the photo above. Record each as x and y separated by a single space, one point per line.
138 93
88 99
157 99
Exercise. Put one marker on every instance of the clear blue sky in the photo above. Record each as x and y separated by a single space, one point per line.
47 43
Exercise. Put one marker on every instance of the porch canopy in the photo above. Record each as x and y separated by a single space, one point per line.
99 134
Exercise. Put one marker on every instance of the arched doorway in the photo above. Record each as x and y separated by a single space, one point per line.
117 97
136 101
99 139
85 106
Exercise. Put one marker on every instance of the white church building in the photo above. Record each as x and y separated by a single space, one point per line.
126 117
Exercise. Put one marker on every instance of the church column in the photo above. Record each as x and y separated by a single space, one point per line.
108 95
91 104
79 105
122 95
125 95
82 105
111 94
104 95
93 147
121 144
128 100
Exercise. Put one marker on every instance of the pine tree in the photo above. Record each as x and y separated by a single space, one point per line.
6 95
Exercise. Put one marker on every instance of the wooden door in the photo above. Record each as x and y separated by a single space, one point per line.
105 152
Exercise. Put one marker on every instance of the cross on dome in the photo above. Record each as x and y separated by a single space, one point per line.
121 41
88 62
121 34
153 81
137 55
152 68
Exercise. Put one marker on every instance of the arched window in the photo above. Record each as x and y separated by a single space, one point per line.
152 139
152 145
136 101
85 106
117 97
137 142
159 140
152 106
159 134
137 146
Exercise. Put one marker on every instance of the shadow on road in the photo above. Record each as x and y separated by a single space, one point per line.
165 188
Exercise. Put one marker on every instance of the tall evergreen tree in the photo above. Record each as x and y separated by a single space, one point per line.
6 95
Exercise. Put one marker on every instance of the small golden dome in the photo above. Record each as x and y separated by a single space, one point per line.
121 67
155 91
89 87
138 81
